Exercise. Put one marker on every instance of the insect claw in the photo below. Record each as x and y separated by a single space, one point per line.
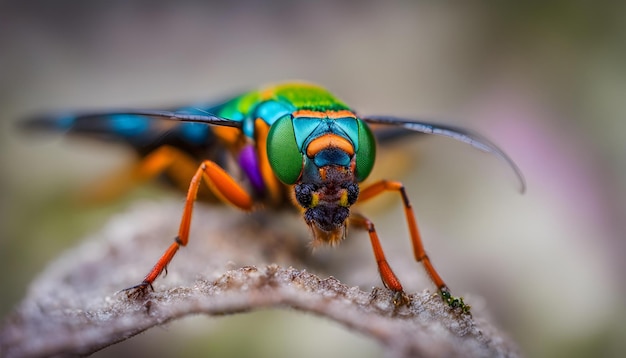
139 290
400 299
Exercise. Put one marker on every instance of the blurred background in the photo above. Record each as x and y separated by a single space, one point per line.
547 82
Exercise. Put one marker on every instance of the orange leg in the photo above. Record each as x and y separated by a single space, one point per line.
224 186
153 164
390 280
418 248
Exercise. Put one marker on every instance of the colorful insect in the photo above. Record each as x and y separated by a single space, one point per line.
292 143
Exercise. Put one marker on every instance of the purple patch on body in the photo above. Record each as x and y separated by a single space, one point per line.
249 163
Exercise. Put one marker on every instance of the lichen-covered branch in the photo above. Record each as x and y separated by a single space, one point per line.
75 306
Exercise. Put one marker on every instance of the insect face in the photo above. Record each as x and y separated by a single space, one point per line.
325 154
326 195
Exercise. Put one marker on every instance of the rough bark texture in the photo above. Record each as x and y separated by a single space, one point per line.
75 307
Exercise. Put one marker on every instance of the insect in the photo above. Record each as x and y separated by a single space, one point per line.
292 143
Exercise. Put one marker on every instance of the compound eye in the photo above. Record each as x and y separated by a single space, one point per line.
366 154
282 151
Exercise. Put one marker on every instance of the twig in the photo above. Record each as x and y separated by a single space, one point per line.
75 306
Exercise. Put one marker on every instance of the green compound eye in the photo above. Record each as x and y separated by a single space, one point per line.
282 151
366 154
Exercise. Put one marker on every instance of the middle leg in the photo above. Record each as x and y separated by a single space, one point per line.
390 280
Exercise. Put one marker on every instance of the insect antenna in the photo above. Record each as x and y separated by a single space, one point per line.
461 134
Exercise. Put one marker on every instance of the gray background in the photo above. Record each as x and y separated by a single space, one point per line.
546 82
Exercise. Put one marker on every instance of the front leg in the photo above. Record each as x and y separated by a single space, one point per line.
224 187
418 248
